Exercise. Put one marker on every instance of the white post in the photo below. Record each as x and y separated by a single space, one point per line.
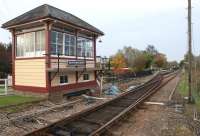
6 86
101 85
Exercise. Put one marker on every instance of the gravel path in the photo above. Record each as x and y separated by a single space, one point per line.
24 126
153 120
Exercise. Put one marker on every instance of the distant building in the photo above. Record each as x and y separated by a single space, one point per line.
39 35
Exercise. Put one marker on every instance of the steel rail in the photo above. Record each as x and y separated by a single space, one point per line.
142 92
134 105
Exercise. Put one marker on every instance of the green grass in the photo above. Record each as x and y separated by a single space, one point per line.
183 85
15 99
183 90
2 89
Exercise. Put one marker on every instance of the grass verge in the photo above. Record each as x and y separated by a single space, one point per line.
183 90
16 99
2 89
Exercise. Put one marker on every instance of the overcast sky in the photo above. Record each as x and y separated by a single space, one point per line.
133 23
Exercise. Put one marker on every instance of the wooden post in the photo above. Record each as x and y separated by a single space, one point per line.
76 33
13 57
47 56
190 51
101 85
94 49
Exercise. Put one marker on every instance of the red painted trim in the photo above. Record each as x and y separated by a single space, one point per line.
29 58
68 88
13 57
76 33
76 76
52 57
31 89
75 86
47 57
72 58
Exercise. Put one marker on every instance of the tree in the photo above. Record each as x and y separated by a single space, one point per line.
160 60
5 59
149 59
150 53
130 54
139 63
181 63
151 50
137 60
118 62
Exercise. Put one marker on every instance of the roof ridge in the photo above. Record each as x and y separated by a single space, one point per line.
46 10
71 15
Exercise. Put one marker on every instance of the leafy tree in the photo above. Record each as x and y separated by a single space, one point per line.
150 53
138 60
130 54
181 63
149 59
151 50
5 59
118 62
139 63
160 60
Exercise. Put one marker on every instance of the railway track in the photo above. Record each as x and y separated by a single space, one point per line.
96 120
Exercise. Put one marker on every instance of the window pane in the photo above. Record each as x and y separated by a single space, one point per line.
60 49
40 43
85 76
29 44
63 79
66 39
85 47
79 48
89 50
69 45
72 52
18 46
53 37
60 38
72 40
66 79
53 49
67 50
73 46
22 45
66 45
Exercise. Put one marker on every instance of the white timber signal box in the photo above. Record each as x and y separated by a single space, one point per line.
52 51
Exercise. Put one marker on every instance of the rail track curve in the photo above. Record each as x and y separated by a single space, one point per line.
96 120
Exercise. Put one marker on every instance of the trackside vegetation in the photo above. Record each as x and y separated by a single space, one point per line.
16 99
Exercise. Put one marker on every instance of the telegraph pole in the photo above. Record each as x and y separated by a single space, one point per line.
190 51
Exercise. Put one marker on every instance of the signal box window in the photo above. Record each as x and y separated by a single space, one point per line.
86 77
63 79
